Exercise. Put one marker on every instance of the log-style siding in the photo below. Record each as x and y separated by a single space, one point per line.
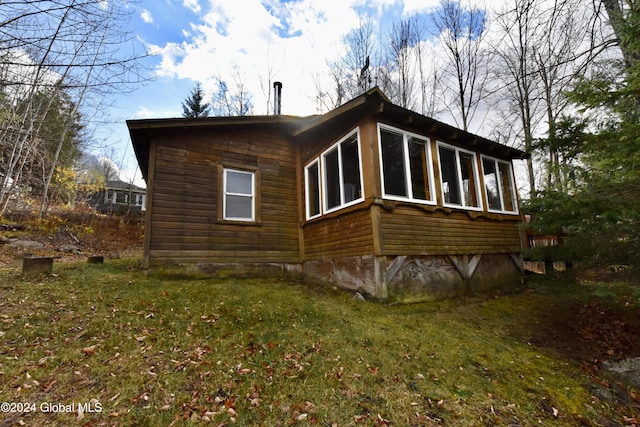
411 231
185 219
338 236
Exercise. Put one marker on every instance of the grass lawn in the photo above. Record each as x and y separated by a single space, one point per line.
109 346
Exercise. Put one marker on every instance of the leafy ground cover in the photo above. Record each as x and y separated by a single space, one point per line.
111 346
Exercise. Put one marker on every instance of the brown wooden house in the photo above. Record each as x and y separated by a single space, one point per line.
370 196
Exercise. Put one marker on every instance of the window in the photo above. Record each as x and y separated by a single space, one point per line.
312 176
405 163
121 197
334 180
459 177
498 185
239 195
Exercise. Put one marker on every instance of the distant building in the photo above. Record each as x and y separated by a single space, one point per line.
120 198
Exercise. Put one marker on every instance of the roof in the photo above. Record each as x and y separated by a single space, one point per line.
121 185
372 103
141 131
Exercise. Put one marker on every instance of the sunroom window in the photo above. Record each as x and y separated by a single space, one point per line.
334 180
498 184
312 177
406 166
459 175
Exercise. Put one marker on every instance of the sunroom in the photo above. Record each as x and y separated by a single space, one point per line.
405 208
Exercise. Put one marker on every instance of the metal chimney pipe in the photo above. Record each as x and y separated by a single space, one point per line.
277 98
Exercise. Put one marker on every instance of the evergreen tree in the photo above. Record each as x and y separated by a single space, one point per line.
193 107
602 213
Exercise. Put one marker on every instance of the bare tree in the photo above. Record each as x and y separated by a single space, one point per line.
266 81
349 76
558 62
517 70
402 62
360 57
617 12
462 32
75 47
232 101
543 49
328 98
428 69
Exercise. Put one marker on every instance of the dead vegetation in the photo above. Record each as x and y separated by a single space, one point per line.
70 234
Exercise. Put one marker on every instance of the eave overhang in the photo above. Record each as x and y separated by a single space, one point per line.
371 104
375 104
142 131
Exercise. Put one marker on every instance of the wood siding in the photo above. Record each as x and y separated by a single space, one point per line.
412 231
185 219
337 236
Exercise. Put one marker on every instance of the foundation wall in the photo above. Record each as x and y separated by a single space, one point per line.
407 279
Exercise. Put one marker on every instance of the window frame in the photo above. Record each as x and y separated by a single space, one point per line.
457 150
406 135
321 161
225 193
514 199
307 193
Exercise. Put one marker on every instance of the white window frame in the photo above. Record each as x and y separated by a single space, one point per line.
476 174
226 193
321 162
501 193
307 193
407 166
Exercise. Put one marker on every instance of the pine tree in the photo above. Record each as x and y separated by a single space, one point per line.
601 213
193 107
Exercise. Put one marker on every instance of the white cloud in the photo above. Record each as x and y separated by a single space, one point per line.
146 16
193 5
419 6
145 112
291 39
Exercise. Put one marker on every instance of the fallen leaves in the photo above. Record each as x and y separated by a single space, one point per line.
631 421
90 350
48 386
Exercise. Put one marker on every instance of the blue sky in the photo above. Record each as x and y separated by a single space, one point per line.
198 40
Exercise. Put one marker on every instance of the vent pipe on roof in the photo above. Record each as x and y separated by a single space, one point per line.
277 98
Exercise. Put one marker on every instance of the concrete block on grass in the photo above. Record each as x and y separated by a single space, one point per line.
37 265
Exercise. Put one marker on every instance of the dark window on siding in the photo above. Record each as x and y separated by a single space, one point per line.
393 163
449 172
508 192
332 179
419 169
350 169
491 184
469 187
313 190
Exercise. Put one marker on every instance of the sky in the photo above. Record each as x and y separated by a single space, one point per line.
260 40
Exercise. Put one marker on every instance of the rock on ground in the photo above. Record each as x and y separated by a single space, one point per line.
24 245
626 371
